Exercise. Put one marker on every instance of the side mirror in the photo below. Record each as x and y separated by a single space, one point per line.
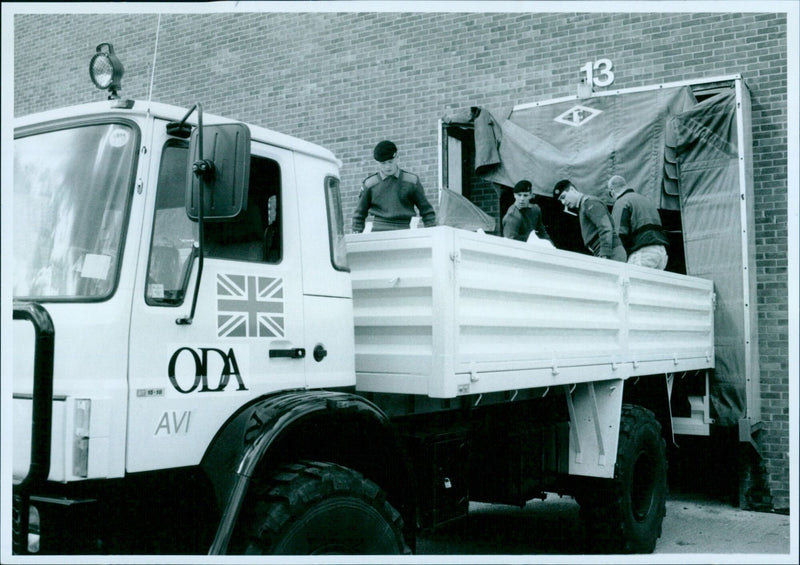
226 171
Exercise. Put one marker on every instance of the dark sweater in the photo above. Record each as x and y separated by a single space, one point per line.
392 201
518 223
598 231
638 222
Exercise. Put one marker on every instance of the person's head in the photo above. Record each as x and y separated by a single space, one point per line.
522 194
566 193
385 153
617 185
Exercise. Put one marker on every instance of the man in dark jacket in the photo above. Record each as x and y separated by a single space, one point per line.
391 195
597 227
639 225
523 217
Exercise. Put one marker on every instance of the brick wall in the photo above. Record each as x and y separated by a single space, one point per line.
346 81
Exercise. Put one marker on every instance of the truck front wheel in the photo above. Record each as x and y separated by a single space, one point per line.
314 508
624 514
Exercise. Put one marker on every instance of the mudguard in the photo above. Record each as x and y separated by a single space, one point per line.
245 442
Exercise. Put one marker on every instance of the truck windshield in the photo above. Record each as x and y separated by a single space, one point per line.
71 193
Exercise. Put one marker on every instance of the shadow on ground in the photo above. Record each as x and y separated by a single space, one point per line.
694 524
541 527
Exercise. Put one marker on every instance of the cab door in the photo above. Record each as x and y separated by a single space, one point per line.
247 336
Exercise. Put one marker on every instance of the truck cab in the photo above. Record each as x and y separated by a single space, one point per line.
104 245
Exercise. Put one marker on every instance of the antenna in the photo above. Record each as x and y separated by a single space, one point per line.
153 70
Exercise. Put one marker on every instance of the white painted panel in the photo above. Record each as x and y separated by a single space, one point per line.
473 313
21 439
328 326
187 379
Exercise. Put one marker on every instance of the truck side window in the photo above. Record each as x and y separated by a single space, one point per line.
333 201
254 235
173 244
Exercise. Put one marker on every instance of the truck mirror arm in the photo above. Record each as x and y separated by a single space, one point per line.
202 169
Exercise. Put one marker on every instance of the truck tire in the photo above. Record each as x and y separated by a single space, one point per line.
625 514
314 508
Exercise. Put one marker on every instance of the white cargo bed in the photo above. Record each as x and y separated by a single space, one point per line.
444 312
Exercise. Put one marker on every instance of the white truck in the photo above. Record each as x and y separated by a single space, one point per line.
205 364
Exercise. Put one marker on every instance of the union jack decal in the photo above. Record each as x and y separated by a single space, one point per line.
249 306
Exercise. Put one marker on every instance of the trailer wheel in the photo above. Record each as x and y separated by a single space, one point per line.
625 514
314 508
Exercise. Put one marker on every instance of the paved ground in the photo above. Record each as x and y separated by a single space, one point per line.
693 525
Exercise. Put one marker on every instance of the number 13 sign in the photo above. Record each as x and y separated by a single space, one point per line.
603 67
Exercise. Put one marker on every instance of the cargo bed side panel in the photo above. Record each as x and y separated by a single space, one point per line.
444 312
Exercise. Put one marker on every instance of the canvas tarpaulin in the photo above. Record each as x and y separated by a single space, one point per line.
681 154
587 141
458 212
704 143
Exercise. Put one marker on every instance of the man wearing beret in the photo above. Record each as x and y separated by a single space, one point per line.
523 217
391 195
597 228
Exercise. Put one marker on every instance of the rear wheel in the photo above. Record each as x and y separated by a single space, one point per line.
625 514
314 508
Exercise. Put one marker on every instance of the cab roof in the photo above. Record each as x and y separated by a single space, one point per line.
172 113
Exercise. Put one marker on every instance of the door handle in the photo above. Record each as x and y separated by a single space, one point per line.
292 353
